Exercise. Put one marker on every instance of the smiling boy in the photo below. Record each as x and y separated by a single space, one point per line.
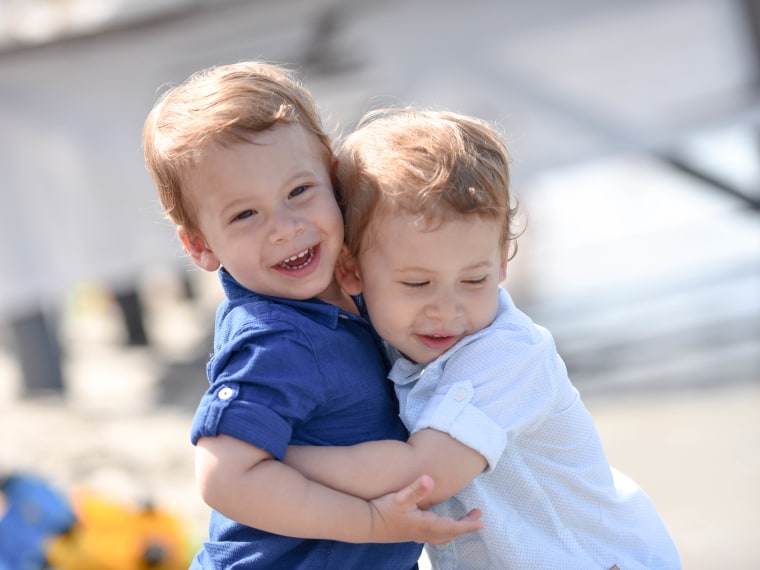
492 413
242 167
283 243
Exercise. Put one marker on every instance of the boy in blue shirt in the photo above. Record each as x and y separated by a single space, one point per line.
242 167
493 415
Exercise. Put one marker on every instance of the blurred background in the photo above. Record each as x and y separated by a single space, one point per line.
633 128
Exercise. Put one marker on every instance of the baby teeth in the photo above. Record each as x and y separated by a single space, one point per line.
299 256
304 256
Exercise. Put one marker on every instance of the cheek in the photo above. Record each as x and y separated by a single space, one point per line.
377 303
333 220
487 310
384 310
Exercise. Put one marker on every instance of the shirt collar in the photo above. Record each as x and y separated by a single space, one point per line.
405 371
317 310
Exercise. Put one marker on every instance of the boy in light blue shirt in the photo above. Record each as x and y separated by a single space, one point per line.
493 415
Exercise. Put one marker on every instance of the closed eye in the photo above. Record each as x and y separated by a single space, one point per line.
476 281
414 284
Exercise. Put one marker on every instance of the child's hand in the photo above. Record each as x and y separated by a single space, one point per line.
396 517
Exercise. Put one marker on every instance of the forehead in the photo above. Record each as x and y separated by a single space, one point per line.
404 235
276 153
388 221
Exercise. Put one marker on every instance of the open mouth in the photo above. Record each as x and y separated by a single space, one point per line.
438 342
298 261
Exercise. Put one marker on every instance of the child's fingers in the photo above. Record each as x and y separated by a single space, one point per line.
416 491
473 515
449 529
433 528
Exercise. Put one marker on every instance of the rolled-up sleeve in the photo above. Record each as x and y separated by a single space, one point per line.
258 391
454 413
485 394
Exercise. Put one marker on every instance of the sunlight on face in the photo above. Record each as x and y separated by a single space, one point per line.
427 287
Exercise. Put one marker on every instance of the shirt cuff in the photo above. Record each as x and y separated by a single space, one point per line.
455 414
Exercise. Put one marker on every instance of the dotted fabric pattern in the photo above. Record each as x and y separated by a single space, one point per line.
549 497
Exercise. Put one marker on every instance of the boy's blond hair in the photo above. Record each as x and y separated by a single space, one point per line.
220 105
437 165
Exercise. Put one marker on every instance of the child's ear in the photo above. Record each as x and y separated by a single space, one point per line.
198 250
347 273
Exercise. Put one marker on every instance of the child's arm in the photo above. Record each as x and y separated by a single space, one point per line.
374 468
246 484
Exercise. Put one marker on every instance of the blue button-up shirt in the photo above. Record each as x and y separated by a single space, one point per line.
300 372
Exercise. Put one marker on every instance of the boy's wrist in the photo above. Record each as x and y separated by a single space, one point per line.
375 529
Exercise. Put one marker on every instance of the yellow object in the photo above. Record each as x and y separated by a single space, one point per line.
112 535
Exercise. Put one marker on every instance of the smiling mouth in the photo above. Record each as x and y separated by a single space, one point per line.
437 341
298 261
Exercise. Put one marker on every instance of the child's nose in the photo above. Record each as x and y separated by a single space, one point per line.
285 226
445 305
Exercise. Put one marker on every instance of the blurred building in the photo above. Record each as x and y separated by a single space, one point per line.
601 101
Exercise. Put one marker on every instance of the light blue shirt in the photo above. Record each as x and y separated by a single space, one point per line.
549 496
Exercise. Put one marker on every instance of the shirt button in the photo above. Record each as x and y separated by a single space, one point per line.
226 393
460 395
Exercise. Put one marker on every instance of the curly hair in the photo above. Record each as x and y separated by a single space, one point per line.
437 165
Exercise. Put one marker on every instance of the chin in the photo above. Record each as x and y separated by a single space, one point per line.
419 359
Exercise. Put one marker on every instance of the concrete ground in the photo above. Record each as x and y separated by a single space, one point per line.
694 452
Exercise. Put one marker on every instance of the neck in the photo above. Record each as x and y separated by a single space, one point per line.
338 297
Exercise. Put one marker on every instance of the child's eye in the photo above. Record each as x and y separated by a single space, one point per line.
244 214
475 281
415 284
297 191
